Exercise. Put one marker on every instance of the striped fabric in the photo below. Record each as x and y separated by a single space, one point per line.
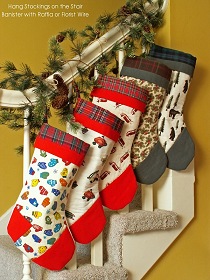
123 87
170 54
148 65
98 114
61 138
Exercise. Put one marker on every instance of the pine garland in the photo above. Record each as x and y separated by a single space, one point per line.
142 27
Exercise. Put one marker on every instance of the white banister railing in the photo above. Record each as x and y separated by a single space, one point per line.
14 98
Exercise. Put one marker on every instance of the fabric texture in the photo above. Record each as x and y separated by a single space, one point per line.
117 183
38 224
173 133
100 129
148 158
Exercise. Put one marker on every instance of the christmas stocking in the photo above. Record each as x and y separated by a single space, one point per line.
38 224
101 129
118 182
173 133
148 157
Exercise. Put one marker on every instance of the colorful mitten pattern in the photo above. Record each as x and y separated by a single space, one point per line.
38 223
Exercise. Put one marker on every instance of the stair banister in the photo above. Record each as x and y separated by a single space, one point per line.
15 98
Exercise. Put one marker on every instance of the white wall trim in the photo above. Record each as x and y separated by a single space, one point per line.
4 219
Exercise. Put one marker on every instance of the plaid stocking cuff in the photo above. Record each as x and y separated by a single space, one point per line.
61 144
95 117
120 91
176 60
147 69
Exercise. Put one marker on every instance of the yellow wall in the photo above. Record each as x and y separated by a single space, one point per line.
188 257
186 28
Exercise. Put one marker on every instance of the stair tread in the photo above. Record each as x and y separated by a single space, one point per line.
119 224
88 272
142 220
133 222
85 272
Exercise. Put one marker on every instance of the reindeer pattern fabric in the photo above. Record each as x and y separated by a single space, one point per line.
173 133
170 123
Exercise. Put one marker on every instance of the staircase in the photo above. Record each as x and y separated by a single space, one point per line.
133 239
118 226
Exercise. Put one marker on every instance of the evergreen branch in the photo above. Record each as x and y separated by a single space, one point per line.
142 27
53 64
77 48
26 70
71 34
104 21
74 126
9 67
19 150
55 48
5 82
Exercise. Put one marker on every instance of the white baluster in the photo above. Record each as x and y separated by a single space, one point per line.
26 162
26 268
97 243
124 210
96 73
72 264
97 251
26 145
163 191
121 57
147 197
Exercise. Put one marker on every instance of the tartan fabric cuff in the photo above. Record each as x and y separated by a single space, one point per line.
123 92
123 87
147 69
149 65
59 143
97 118
176 60
170 54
